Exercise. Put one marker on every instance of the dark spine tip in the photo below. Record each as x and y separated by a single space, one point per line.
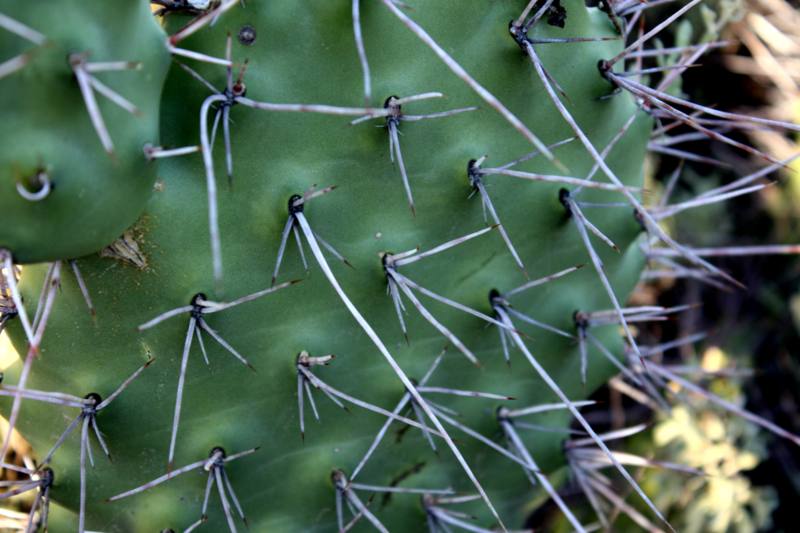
502 413
563 197
293 206
385 258
247 35
513 29
494 295
48 477
473 172
605 69
639 218
517 34
395 112
197 309
337 477
217 449
557 15
580 319
96 398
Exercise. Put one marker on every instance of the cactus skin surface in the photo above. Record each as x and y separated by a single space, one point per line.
45 127
304 53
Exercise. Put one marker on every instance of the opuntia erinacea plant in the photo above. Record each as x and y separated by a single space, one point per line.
364 273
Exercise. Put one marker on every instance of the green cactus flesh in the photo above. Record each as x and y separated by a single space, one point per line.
304 53
46 129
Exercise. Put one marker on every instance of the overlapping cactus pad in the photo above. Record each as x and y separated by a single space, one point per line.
98 186
355 213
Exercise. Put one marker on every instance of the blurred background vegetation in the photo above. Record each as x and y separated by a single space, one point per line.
752 478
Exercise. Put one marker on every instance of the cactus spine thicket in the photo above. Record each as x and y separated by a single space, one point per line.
268 169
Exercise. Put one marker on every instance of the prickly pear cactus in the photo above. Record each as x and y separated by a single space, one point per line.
416 172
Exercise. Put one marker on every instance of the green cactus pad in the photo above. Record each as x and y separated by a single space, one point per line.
305 53
47 131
